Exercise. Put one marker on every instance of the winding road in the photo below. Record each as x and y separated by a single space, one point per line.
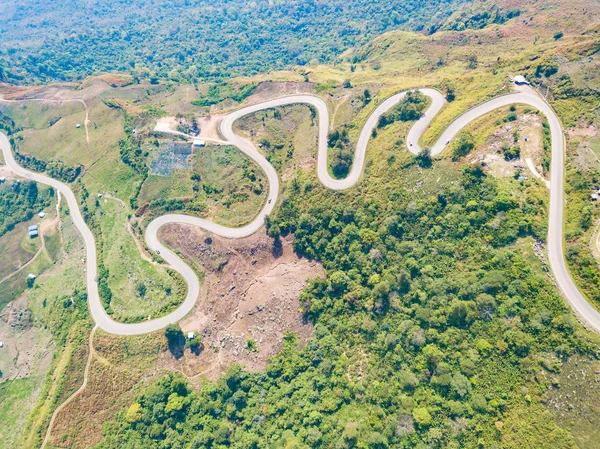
527 96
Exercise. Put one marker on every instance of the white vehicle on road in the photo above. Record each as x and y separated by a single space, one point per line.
526 96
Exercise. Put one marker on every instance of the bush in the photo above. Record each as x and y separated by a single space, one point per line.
463 145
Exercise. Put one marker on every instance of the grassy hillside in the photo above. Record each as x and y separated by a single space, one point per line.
437 325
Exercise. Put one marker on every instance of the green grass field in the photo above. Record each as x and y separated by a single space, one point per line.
140 289
231 187
18 398
17 248
291 132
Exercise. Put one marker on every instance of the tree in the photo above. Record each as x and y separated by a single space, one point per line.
175 340
424 158
134 413
463 145
422 417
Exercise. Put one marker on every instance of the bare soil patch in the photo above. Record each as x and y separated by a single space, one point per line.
209 126
528 126
248 293
583 131
27 350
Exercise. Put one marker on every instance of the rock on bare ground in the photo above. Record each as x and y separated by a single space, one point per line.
248 293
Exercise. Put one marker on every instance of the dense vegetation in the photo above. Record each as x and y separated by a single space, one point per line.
187 41
409 109
422 294
477 19
19 202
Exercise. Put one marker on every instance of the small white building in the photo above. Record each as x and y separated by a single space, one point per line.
594 197
520 80
2 179
191 335
1 344
41 214
78 125
31 276
199 143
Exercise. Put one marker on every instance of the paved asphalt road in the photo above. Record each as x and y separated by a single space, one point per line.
526 96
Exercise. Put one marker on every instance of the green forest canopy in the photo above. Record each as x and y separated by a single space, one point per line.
186 40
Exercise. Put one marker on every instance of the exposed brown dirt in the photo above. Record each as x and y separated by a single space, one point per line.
583 131
24 353
528 126
209 126
248 293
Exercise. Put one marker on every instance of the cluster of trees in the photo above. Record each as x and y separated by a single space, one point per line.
187 124
410 108
103 289
463 145
470 20
19 202
163 206
343 152
7 125
429 328
210 40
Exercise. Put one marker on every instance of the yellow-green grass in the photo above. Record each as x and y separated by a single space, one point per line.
54 384
578 412
18 398
221 167
38 115
119 370
110 175
105 130
51 132
178 185
295 132
62 141
129 272
17 248
14 286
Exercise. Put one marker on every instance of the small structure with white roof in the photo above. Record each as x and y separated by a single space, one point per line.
520 80
199 143
191 335
41 214
33 231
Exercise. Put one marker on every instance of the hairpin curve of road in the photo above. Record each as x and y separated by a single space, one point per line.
586 312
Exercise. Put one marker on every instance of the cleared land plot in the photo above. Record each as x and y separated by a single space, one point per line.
20 249
17 248
248 294
287 137
231 189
